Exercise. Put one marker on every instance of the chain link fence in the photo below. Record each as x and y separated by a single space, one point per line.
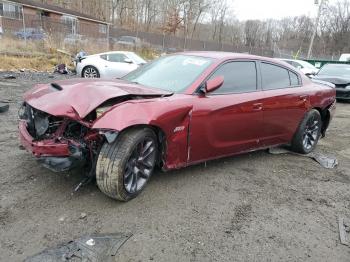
171 43
54 32
74 35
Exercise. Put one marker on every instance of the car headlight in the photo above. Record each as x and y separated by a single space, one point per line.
347 87
23 112
41 122
101 110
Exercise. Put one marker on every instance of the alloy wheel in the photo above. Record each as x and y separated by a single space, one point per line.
140 166
90 72
311 133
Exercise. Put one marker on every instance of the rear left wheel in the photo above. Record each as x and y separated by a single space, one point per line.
308 133
124 167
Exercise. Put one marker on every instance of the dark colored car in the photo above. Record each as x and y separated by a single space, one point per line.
339 75
31 34
129 41
132 42
176 111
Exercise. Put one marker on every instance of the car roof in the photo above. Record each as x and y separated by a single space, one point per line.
294 60
226 55
111 52
128 36
337 65
115 52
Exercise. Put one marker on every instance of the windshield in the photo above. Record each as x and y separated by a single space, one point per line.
307 65
335 70
136 58
172 73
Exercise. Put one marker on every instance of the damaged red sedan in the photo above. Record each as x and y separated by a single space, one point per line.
176 111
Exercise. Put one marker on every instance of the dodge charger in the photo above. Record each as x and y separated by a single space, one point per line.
176 111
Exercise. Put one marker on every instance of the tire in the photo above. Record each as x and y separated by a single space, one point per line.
90 72
120 164
308 133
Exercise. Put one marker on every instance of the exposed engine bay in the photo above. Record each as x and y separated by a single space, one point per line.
74 143
81 141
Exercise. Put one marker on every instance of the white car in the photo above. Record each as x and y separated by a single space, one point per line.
303 66
344 58
108 65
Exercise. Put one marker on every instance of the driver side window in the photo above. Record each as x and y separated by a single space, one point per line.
118 58
239 77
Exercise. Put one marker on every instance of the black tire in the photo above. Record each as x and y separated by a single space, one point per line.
117 162
90 72
308 133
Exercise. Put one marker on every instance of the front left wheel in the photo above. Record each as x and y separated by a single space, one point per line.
90 72
124 167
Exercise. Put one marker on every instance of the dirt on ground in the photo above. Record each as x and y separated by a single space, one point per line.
253 207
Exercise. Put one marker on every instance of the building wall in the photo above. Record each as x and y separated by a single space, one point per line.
92 29
31 17
11 24
53 23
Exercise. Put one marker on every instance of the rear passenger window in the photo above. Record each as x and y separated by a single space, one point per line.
239 77
274 77
294 79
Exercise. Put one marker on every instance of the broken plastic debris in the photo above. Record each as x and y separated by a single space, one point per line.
90 242
344 230
328 162
9 76
61 69
325 161
93 248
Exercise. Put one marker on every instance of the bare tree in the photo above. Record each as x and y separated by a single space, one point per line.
214 20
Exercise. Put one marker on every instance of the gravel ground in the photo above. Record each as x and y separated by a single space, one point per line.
254 207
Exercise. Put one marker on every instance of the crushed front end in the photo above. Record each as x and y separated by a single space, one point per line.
58 143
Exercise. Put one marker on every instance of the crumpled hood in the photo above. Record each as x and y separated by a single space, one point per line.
334 80
81 96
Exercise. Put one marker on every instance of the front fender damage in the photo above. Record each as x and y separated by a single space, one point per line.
173 120
64 143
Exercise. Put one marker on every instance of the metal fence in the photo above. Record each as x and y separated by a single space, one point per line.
170 43
76 34
64 32
56 31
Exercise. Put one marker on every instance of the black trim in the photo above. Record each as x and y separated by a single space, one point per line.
258 78
283 67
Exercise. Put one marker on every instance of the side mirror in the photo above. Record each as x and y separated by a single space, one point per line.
213 84
128 60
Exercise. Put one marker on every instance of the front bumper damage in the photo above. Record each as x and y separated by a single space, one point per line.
64 163
67 146
54 154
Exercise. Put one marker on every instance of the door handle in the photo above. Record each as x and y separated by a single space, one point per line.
257 106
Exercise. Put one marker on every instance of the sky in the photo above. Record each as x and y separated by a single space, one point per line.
265 9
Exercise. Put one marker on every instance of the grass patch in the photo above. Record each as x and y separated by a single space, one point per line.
35 63
17 54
